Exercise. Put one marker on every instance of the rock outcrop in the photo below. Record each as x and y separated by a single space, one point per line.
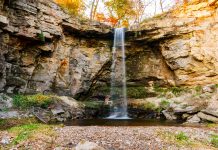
187 39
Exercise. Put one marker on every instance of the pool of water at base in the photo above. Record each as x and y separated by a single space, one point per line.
122 122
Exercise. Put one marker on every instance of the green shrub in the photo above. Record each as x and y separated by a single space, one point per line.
27 101
214 140
164 104
181 136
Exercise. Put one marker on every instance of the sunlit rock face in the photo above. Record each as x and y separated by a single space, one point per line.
187 39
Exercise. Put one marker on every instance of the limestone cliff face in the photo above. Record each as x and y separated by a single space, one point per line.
187 39
43 49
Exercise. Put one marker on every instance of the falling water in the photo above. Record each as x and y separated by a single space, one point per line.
118 77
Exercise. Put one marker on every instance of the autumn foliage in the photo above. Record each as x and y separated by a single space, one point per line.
72 6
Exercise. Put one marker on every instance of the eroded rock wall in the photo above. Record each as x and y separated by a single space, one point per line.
43 49
187 39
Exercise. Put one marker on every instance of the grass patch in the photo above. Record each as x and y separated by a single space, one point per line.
30 131
27 101
179 139
181 136
8 123
214 140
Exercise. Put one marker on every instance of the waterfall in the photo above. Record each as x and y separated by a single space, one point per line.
118 77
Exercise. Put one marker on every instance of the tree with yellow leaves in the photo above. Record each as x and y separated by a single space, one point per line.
72 6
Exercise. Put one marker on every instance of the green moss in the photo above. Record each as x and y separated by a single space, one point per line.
214 140
27 101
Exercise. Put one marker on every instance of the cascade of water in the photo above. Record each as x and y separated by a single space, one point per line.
118 77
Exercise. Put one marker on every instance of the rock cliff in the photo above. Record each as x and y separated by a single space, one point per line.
44 49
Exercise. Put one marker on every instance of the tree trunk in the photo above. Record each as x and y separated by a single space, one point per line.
161 6
92 9
95 8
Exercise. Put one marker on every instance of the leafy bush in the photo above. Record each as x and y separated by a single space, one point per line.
27 101
214 140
